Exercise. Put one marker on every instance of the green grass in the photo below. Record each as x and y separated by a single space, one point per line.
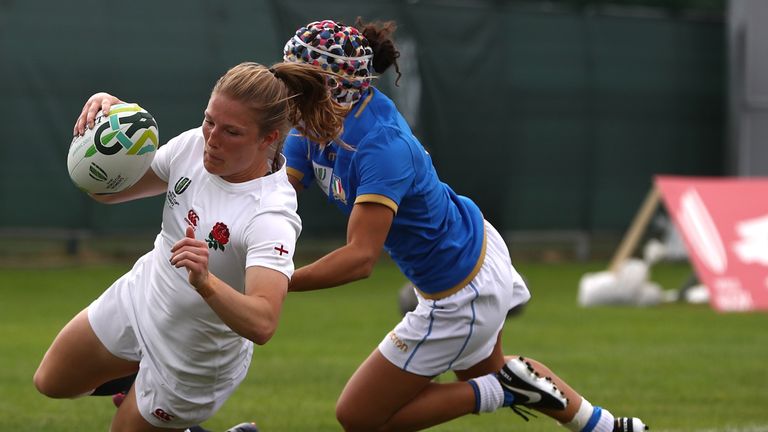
680 367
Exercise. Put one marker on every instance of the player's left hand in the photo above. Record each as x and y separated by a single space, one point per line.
192 254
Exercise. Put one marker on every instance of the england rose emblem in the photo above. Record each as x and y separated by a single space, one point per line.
218 237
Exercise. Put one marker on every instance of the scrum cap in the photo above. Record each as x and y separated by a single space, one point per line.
337 48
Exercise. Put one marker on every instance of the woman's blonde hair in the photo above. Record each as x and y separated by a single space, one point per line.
283 96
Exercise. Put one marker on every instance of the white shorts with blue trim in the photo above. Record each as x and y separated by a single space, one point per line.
459 331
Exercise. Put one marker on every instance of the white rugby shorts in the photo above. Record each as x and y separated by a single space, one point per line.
459 331
161 400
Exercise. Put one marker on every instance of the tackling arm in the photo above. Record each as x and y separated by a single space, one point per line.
367 230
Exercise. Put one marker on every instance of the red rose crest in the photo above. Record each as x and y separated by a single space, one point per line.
218 237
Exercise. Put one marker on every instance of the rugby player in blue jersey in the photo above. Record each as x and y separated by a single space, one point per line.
382 178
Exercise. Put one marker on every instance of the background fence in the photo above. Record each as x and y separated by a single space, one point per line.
551 117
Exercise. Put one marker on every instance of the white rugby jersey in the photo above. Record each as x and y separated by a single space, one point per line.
245 224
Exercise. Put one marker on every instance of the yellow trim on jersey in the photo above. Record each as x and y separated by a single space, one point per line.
463 283
294 173
378 199
364 104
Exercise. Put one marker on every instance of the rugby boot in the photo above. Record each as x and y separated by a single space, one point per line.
524 386
244 427
629 424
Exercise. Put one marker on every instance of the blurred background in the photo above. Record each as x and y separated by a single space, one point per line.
552 115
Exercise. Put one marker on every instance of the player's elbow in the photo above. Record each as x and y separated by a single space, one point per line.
261 338
113 198
262 332
365 264
102 198
362 270
366 269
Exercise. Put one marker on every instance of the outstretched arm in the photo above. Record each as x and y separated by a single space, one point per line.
367 230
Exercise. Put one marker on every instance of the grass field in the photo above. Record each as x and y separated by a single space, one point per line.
680 367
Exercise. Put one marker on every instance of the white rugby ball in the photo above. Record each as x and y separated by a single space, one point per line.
116 152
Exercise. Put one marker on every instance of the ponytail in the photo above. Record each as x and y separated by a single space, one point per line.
313 112
379 36
283 96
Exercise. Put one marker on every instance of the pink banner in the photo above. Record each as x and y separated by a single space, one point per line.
724 223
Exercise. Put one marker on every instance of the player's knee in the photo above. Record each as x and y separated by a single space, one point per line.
49 386
351 419
44 385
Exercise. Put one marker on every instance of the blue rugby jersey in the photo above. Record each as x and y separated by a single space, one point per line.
437 236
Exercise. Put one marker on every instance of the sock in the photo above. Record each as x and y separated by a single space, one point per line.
115 386
489 396
590 419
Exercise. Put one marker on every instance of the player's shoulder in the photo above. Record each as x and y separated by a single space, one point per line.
185 139
276 207
192 136
277 192
297 146
384 110
387 140
380 119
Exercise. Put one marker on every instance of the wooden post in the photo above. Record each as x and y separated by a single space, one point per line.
639 224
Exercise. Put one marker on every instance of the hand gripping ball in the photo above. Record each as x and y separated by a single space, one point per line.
116 152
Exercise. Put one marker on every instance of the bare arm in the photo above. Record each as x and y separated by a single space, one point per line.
148 185
253 315
367 230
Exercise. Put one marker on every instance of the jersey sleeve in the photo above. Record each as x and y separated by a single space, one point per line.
161 163
385 168
297 153
271 238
